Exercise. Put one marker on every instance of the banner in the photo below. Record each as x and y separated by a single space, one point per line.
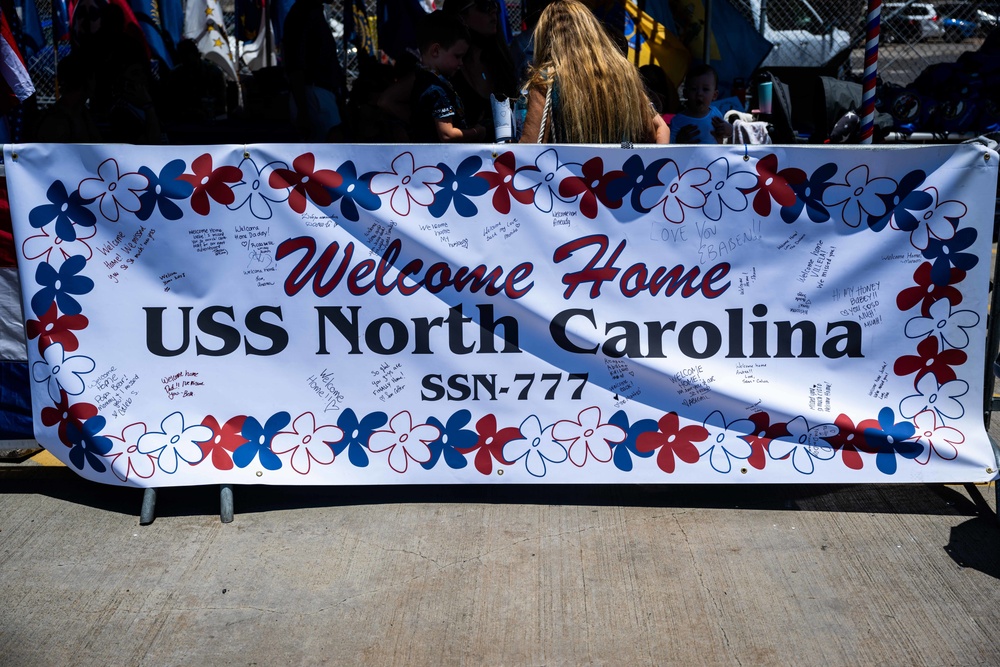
331 314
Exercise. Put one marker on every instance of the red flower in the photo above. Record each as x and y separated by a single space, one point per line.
672 441
306 182
930 360
224 441
763 433
503 180
593 185
850 440
65 414
211 183
926 292
55 329
490 443
774 184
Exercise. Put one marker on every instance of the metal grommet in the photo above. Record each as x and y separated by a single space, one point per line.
246 155
743 471
986 156
499 472
13 156
495 155
989 471
260 473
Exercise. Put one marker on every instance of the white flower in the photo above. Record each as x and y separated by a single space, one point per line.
545 178
724 441
859 195
127 460
58 370
941 439
725 188
255 189
536 446
404 441
804 444
588 436
943 398
676 190
175 442
942 322
407 183
307 442
935 221
55 250
114 189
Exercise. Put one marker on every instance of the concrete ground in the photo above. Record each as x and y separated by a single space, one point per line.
665 575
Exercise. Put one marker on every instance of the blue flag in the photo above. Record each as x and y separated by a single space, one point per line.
33 39
172 19
147 12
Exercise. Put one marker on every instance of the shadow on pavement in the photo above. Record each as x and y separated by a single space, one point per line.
204 500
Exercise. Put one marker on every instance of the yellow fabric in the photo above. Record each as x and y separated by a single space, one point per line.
657 45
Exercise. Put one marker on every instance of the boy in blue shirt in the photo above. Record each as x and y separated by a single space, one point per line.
698 121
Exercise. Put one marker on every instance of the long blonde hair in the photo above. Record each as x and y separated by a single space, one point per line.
601 96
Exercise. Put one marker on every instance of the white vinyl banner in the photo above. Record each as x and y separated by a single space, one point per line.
336 314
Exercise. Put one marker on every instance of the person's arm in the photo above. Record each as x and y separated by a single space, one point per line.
533 117
722 130
448 133
661 133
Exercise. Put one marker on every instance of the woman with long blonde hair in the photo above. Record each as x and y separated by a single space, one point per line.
581 88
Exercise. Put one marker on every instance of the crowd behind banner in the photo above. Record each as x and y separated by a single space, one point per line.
163 72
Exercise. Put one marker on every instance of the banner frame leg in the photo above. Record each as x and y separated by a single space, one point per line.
148 511
226 503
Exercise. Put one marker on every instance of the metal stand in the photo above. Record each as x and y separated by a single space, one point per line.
148 511
226 503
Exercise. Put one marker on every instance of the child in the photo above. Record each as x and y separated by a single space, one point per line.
698 121
437 113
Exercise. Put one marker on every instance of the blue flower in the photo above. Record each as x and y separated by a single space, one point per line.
458 186
58 285
65 209
356 435
946 254
900 203
88 447
354 191
259 441
809 195
626 449
637 178
162 189
891 439
453 437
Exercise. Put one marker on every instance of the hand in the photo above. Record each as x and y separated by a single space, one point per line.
721 130
689 134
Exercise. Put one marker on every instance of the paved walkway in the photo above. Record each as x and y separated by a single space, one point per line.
792 575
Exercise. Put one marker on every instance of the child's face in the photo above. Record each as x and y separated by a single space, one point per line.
447 61
700 91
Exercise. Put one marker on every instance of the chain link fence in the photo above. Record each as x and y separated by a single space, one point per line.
914 35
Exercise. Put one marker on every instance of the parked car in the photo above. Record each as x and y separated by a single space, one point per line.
957 30
961 20
911 22
799 33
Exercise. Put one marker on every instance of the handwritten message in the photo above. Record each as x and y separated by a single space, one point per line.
211 240
115 391
182 384
123 250
325 388
387 380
